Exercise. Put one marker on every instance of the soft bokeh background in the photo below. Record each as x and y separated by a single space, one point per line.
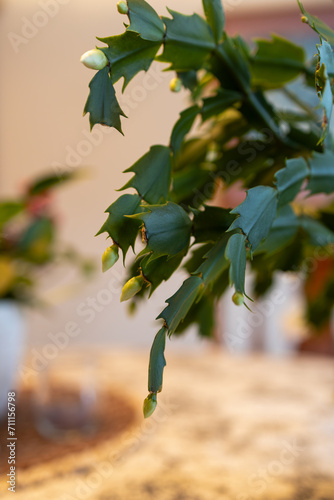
42 94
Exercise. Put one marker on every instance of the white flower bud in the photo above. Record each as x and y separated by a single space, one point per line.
94 59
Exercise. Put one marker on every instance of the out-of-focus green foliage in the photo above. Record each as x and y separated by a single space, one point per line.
29 239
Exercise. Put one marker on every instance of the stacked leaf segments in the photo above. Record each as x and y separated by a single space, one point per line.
244 137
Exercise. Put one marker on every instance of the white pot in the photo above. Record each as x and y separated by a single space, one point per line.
12 338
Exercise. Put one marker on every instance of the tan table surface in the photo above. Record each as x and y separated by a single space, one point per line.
230 428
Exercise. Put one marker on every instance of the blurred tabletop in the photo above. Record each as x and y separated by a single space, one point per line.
229 428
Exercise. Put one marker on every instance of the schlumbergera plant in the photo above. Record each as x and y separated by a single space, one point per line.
278 154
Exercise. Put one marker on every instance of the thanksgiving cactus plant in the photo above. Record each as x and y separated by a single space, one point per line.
238 133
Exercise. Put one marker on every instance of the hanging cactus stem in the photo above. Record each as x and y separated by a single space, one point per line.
185 199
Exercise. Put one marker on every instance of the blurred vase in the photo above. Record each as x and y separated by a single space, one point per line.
65 399
12 338
274 324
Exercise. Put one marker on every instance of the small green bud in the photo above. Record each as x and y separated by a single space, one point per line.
304 19
94 59
131 287
238 298
109 258
150 404
175 85
132 308
122 7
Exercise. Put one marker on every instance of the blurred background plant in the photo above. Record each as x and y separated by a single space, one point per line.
29 242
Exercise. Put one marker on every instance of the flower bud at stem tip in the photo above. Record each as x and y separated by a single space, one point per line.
150 405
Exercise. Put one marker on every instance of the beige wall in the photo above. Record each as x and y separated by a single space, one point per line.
42 94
